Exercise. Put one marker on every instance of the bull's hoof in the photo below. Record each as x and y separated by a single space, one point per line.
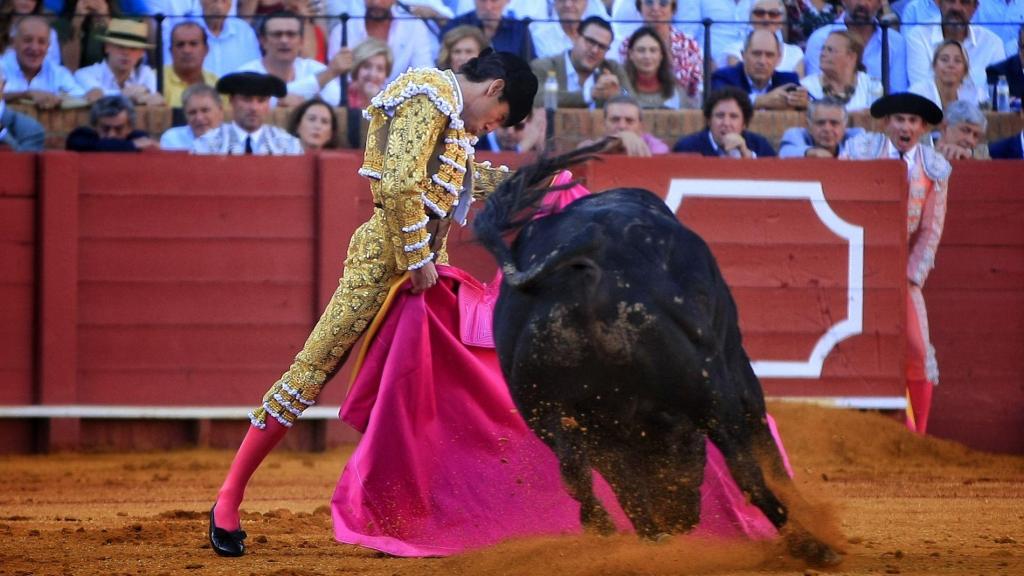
813 551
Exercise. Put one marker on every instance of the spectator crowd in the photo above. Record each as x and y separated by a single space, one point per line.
222 66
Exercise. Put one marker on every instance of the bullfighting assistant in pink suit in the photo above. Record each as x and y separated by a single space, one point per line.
446 463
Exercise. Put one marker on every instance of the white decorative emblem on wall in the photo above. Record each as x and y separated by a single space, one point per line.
682 188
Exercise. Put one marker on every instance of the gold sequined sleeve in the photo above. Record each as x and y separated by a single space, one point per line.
487 178
412 136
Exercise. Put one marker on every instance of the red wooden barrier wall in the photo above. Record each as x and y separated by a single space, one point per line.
172 280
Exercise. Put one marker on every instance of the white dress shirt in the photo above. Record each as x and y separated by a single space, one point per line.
305 83
861 99
412 44
99 75
983 48
51 77
52 53
1011 12
177 138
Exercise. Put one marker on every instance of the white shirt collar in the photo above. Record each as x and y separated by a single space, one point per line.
242 134
910 157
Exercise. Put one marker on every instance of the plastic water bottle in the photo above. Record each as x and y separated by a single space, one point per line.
1002 95
551 91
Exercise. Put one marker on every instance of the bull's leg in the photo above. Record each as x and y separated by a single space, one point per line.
568 445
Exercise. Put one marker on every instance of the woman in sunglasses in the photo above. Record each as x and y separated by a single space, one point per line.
771 15
685 56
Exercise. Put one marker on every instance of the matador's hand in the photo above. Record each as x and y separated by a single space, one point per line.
424 277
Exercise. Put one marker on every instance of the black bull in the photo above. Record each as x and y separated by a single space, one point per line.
619 340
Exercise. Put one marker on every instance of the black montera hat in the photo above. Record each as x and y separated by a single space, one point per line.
907 103
252 84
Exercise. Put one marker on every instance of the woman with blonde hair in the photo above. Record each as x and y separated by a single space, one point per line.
951 78
371 66
841 75
460 45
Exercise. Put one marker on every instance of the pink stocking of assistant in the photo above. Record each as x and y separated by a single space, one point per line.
255 447
920 396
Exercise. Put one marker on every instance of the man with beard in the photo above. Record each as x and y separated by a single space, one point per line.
906 119
122 71
859 17
249 94
825 135
281 39
586 77
983 46
411 42
203 112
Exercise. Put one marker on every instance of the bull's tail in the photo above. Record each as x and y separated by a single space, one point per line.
517 199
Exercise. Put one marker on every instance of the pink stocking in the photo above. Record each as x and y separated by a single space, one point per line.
255 447
920 399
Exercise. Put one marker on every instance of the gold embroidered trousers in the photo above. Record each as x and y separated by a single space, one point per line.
370 270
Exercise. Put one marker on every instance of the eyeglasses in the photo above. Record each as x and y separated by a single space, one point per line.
762 12
595 44
662 3
279 34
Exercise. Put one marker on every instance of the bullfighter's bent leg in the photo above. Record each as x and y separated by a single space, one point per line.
369 272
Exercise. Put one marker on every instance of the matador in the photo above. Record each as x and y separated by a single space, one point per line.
419 160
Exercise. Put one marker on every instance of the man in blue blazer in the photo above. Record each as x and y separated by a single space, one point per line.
727 113
1012 68
1011 148
756 75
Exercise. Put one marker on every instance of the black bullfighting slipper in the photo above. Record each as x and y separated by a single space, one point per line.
226 543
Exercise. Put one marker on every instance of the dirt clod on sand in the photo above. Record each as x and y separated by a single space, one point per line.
898 504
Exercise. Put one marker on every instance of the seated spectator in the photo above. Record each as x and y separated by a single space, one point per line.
1011 148
770 15
526 137
30 76
551 38
231 41
122 72
963 128
315 125
412 43
624 127
756 75
11 12
281 37
730 20
314 39
111 129
685 56
585 77
1012 68
825 135
80 26
727 113
503 33
371 66
950 80
18 132
249 94
460 45
203 112
839 73
188 52
915 14
859 18
981 46
807 16
649 71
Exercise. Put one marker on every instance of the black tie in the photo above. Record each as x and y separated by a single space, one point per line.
248 145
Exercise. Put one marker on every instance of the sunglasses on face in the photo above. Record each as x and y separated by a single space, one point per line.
762 13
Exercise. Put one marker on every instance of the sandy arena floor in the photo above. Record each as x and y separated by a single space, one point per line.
906 505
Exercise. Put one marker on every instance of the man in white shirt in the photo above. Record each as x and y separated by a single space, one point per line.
30 76
203 112
859 18
122 71
983 46
249 134
411 42
281 39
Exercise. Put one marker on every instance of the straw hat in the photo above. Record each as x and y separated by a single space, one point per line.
127 33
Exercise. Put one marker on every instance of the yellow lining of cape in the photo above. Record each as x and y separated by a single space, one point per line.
374 326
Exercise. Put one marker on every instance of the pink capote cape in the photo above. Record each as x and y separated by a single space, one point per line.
446 463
